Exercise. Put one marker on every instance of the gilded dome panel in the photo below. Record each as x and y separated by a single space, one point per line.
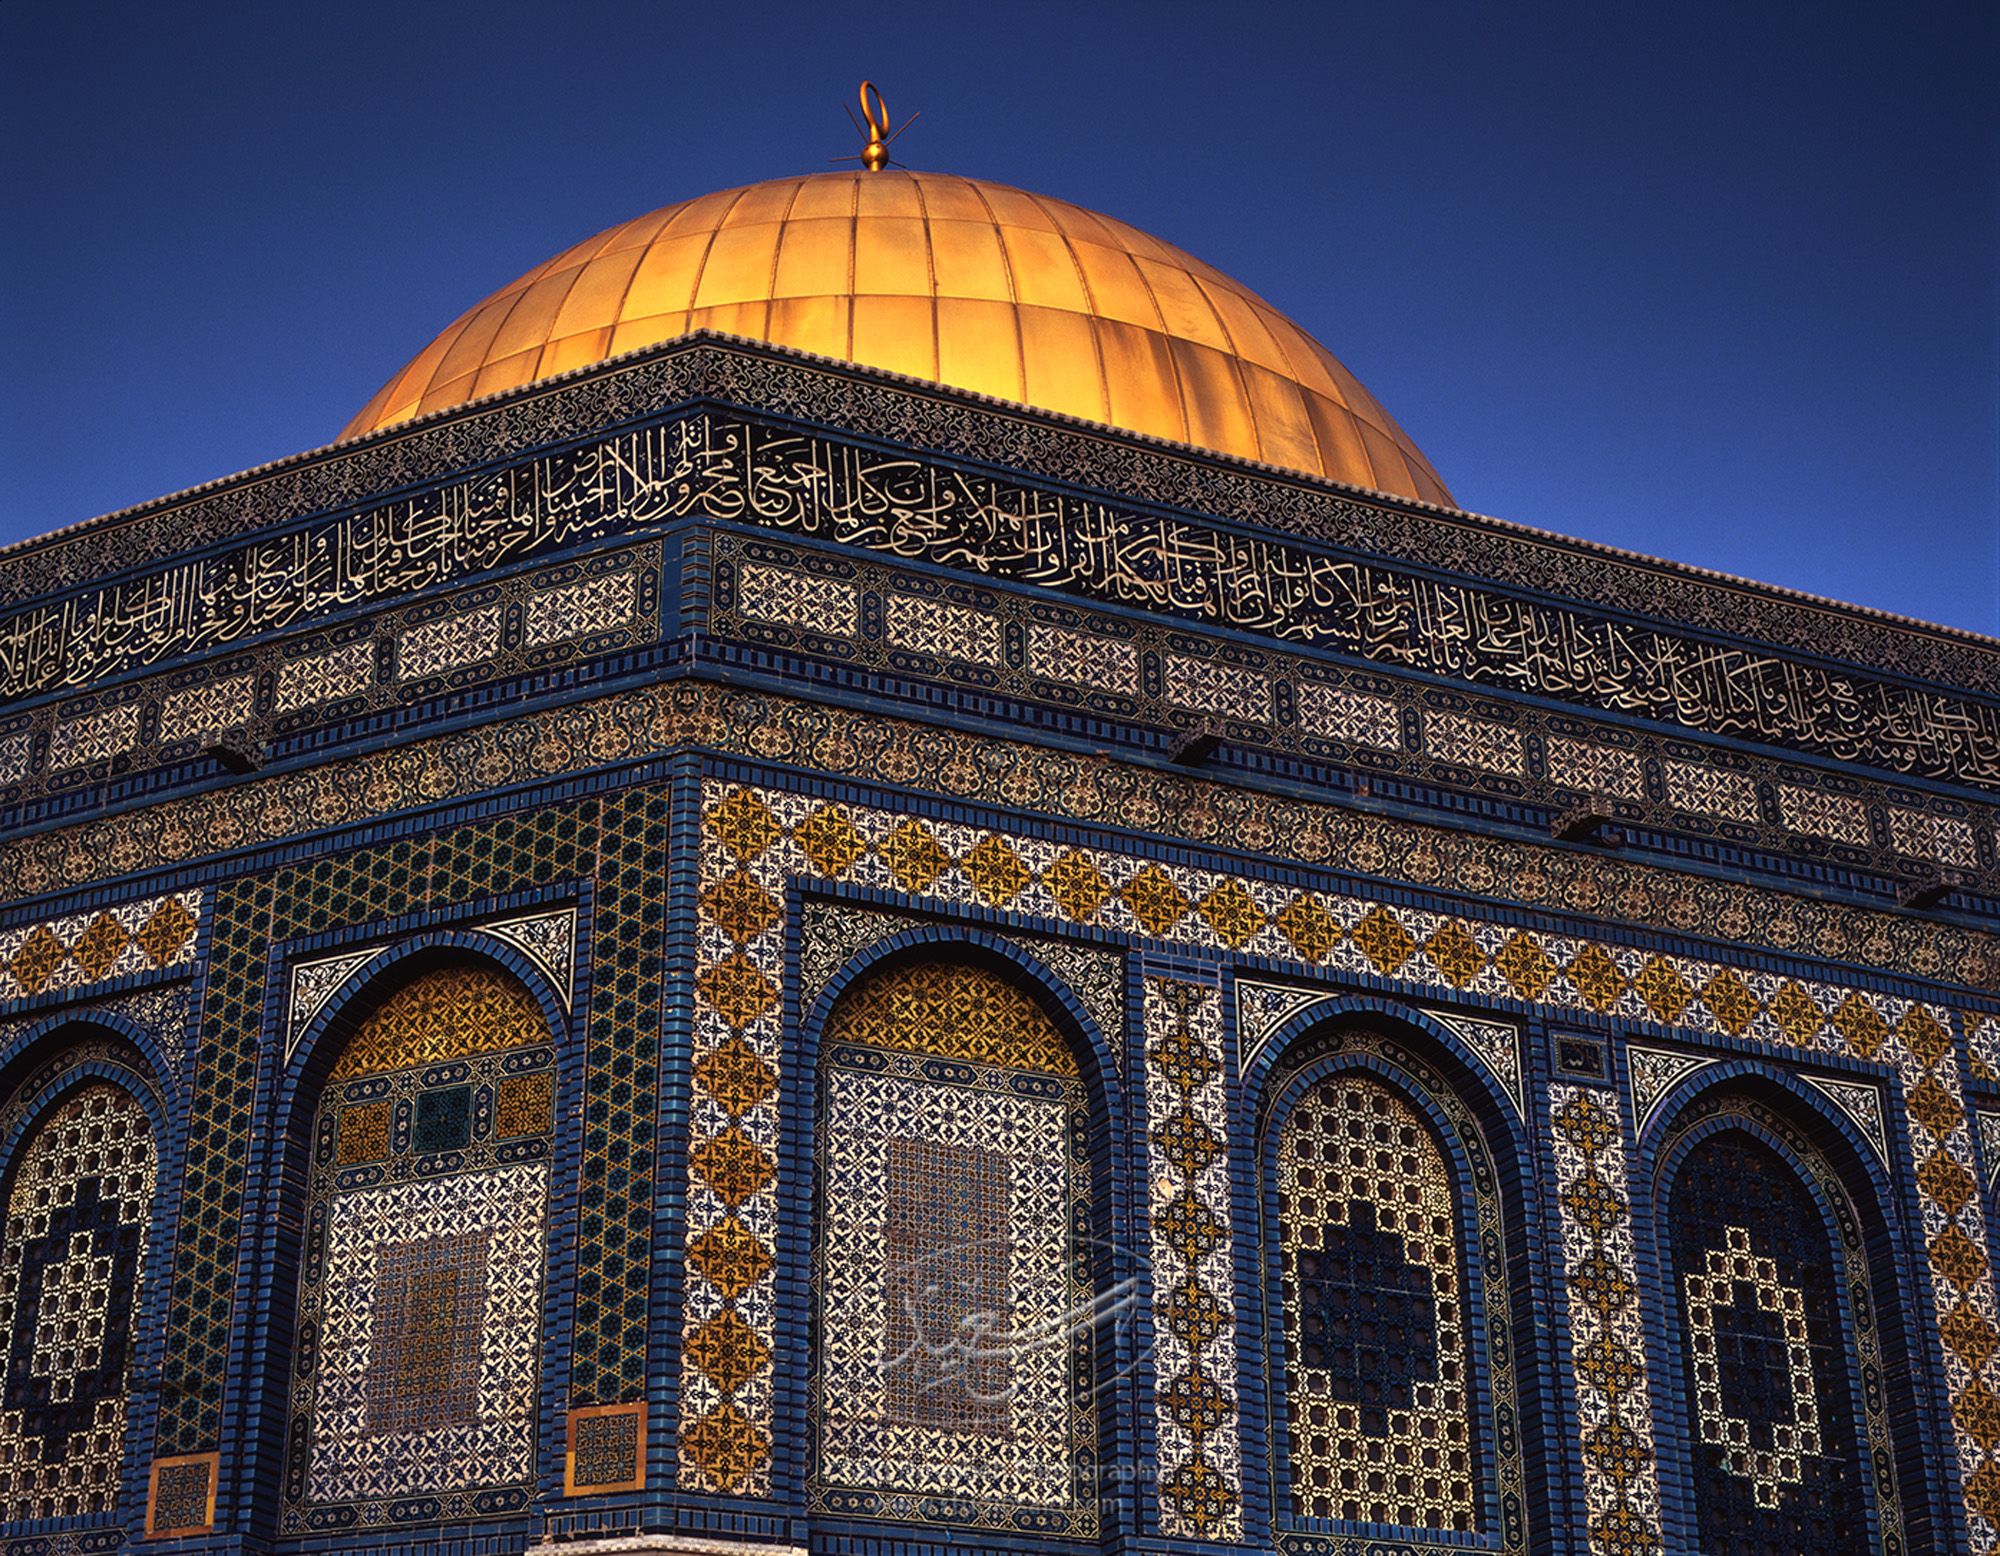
966 283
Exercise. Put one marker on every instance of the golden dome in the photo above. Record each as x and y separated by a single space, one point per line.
967 283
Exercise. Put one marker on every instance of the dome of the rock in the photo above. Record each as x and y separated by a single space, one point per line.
970 284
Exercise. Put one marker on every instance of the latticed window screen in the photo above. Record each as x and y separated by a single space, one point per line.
416 1368
953 1263
1380 1414
1766 1362
79 1204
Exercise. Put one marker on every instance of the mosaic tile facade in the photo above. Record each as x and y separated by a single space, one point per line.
79 1212
1394 1400
1378 1377
810 602
625 715
528 849
954 1258
1607 1341
552 618
151 934
1195 1386
420 1294
538 747
1771 1371
707 463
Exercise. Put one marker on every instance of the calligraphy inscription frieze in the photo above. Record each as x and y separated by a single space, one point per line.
560 617
717 467
718 369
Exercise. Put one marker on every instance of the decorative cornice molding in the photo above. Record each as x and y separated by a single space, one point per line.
706 367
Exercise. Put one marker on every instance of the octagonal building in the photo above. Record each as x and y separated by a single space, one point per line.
874 869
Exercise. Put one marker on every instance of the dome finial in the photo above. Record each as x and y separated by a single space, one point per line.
874 156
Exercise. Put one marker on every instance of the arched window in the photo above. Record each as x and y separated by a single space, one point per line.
1763 1248
79 1201
1386 1412
419 1336
953 1257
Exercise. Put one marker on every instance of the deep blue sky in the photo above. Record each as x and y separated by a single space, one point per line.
1717 284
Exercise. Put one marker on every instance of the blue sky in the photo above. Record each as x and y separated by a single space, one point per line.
1716 283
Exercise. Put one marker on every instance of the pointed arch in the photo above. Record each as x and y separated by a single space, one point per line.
956 1270
1781 1325
423 1186
1388 1312
83 1155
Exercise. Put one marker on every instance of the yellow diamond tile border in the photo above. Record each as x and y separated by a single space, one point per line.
1607 1336
81 949
970 867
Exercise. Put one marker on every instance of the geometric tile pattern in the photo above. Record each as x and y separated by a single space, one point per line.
1982 1042
1769 1375
709 463
337 673
1468 742
506 853
1837 816
313 984
1497 1045
1218 688
1261 1008
1199 1455
209 709
1712 1299
1953 1222
538 745
596 605
420 1295
607 1450
1863 1106
725 1414
712 462
1713 791
426 1373
446 644
1607 1335
1379 1406
85 948
95 737
832 934
441 1015
949 631
535 625
546 939
797 599
181 1498
78 1213
765 837
956 1320
1446 953
1344 714
1612 770
614 1258
1356 718
1058 654
1919 834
